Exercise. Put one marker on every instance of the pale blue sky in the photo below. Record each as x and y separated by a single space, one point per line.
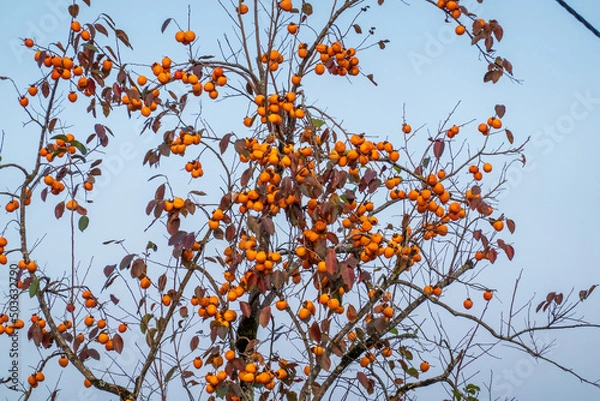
553 200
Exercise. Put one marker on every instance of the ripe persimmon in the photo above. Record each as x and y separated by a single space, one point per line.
286 5
468 303
145 283
189 36
282 304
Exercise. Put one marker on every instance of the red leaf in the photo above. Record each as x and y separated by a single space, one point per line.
493 255
558 298
224 142
194 342
348 276
331 261
510 251
351 313
438 148
325 362
500 110
162 282
537 309
117 343
509 136
245 308
126 261
315 332
59 210
498 33
511 225
367 383
109 269
138 268
265 316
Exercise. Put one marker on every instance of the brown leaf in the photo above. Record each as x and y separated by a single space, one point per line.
438 148
224 142
265 316
194 342
118 343
73 10
109 269
138 268
266 224
510 251
122 36
325 362
351 313
537 309
357 28
315 332
500 110
52 124
507 66
367 383
162 282
510 224
559 298
498 33
59 210
245 308
489 42
509 136
126 261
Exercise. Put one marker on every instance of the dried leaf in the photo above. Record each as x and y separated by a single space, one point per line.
315 332
126 261
109 269
59 210
438 148
245 308
194 342
265 316
224 142
500 110
510 251
510 224
117 341
509 136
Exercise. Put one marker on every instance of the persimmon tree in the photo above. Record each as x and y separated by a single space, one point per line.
298 259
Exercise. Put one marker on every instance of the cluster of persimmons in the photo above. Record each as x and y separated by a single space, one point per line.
328 190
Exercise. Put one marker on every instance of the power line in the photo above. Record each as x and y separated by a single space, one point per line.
578 17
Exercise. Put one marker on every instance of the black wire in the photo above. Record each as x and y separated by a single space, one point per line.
578 17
